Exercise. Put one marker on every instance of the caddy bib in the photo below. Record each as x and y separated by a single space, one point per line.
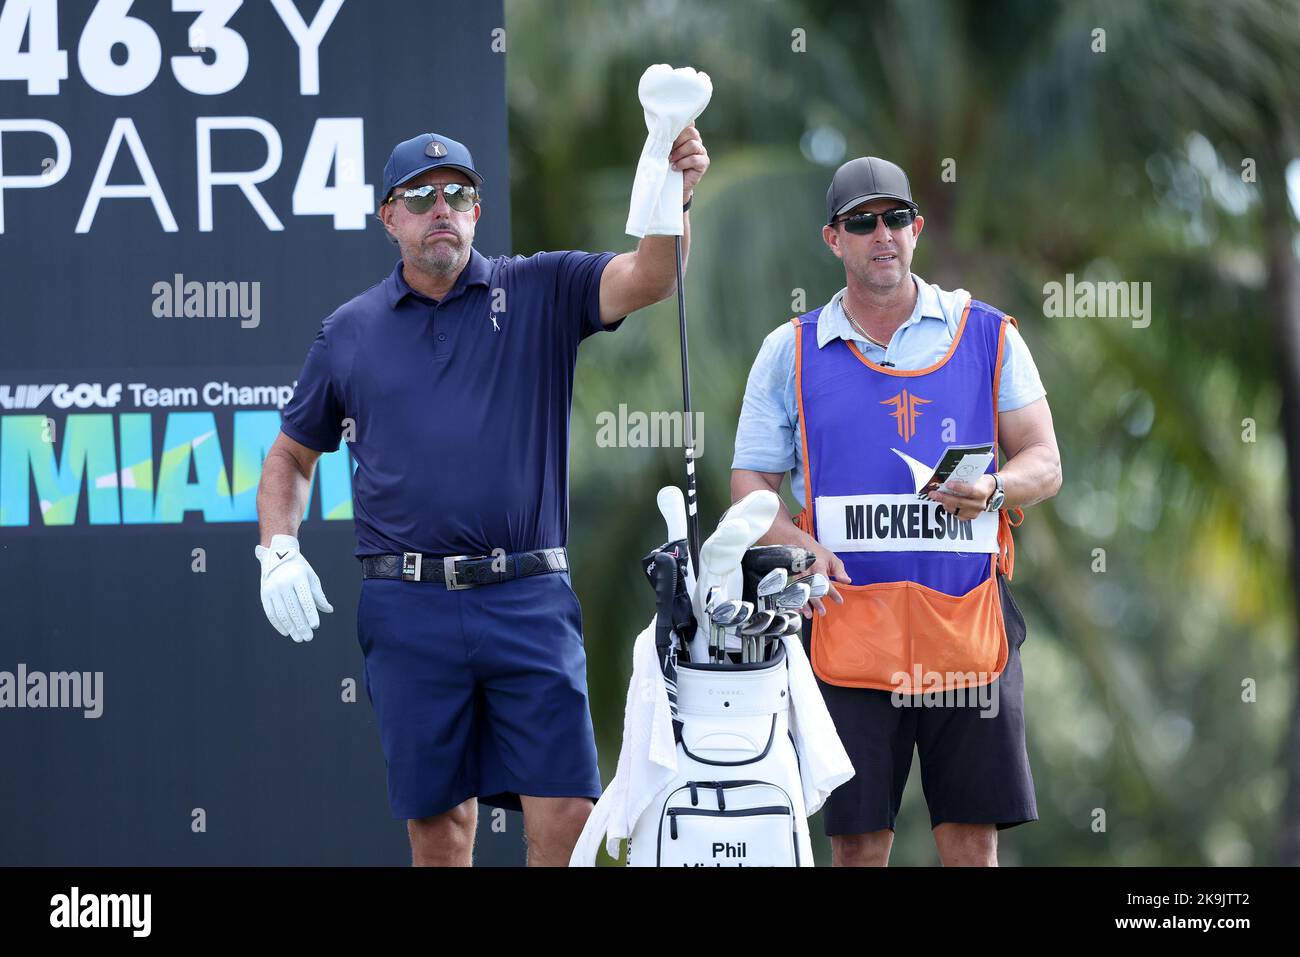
923 612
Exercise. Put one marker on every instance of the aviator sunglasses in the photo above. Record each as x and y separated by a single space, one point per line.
420 200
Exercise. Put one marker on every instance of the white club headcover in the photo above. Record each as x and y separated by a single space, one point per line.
672 506
758 509
743 524
720 557
672 99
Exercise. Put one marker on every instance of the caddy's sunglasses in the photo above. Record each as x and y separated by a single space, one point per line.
423 198
866 222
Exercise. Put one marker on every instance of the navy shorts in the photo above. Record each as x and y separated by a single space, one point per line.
974 767
478 693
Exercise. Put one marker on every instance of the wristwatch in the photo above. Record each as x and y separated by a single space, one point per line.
687 204
999 494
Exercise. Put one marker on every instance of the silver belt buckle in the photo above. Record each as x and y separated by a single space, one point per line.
449 573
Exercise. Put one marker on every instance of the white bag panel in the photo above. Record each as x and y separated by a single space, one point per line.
730 693
730 741
763 837
748 752
728 824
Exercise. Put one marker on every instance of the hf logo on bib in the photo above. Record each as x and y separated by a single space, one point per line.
905 412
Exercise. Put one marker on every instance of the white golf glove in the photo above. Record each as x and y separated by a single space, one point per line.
672 99
291 592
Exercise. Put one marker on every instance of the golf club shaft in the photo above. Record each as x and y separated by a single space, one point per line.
692 503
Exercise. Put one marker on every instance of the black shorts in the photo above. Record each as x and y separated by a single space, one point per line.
974 767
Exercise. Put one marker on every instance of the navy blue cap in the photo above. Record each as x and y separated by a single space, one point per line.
425 152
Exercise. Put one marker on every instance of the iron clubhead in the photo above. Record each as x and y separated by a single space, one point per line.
794 596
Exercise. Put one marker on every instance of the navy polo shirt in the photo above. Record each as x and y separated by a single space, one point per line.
460 407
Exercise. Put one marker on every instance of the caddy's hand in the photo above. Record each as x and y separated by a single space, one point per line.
827 563
966 500
291 591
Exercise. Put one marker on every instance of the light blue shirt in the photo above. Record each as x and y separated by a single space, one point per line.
767 435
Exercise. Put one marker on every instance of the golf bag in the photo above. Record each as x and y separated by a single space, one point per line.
737 798
722 760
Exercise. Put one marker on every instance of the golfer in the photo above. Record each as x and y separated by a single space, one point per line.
859 400
452 382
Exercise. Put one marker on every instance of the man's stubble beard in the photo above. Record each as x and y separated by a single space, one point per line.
438 258
873 283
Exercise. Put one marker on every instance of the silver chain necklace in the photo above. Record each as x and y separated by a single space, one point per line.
870 338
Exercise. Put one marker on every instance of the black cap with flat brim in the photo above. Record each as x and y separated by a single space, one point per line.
863 179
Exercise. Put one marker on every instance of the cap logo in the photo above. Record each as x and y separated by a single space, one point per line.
435 149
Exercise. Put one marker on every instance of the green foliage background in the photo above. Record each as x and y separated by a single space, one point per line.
1122 165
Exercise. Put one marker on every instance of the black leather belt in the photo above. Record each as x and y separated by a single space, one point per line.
465 571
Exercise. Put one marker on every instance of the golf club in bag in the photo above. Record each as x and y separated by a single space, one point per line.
688 433
734 780
737 798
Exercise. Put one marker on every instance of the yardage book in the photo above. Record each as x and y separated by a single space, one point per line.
961 463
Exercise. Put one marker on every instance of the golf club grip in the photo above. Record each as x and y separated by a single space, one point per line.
692 503
761 559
